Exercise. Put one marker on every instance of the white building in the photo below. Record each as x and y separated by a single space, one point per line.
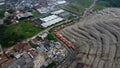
60 2
2 2
50 20
43 10
58 11
43 35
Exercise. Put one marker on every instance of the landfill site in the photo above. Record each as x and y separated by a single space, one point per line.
96 39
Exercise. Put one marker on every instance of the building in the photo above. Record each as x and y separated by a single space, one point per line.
6 63
43 10
60 2
43 35
37 22
58 11
24 15
39 60
61 13
50 20
2 2
35 40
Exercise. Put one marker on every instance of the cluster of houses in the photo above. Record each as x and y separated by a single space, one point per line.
25 55
51 14
49 51
19 56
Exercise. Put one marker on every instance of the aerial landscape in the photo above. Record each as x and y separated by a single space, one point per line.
59 34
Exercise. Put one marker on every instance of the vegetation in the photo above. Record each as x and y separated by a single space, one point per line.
98 7
51 37
2 13
106 3
33 45
84 3
36 13
10 35
101 4
77 8
109 3
52 65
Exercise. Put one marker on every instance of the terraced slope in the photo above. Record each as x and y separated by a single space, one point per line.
97 40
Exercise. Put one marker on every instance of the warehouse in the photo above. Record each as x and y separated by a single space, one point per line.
58 11
50 20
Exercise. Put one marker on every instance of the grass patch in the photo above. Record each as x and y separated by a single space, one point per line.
36 14
25 28
77 8
16 33
98 7
84 3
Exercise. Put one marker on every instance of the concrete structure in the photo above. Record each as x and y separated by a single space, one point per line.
60 2
43 10
58 11
24 15
38 62
50 20
43 35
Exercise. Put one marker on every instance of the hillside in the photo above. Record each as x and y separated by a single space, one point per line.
80 5
97 40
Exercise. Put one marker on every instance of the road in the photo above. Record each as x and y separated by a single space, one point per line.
90 8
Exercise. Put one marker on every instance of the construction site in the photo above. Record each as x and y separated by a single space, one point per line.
95 40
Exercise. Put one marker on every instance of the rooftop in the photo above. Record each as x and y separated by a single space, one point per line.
50 20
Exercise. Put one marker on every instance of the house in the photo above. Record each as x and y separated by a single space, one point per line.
6 63
35 40
3 59
43 35
43 10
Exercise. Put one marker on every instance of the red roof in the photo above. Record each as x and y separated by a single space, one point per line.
3 59
20 46
33 53
35 40
8 52
5 64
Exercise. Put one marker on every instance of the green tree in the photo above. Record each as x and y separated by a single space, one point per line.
51 37
2 13
7 21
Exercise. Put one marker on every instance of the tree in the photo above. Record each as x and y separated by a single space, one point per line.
2 13
7 21
110 3
51 37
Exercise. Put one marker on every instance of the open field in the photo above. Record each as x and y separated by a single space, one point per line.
85 3
16 33
78 6
36 14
